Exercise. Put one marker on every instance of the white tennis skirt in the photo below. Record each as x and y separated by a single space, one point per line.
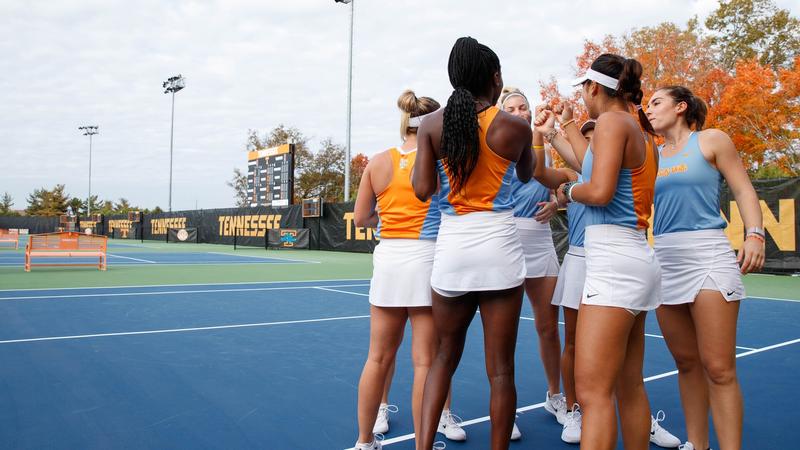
401 273
478 251
694 260
537 245
571 277
621 269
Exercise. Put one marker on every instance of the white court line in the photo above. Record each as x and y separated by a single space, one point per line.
135 259
179 330
193 291
334 280
265 257
658 336
343 292
178 263
408 437
774 299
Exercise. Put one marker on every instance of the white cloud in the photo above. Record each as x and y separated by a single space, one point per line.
251 65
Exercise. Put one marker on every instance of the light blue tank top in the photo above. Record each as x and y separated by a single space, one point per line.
576 215
687 192
527 195
620 211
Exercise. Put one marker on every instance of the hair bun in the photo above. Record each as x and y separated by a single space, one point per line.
408 102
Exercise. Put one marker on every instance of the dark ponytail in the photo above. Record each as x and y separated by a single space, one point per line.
629 73
696 109
471 67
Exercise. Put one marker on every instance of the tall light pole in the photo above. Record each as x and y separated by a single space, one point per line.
171 86
349 103
89 130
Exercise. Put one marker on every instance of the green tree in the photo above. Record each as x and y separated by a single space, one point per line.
78 205
123 206
239 185
106 207
744 29
6 202
324 175
43 202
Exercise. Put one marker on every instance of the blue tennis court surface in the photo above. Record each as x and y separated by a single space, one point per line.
138 258
276 365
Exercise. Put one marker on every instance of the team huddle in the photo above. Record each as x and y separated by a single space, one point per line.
462 209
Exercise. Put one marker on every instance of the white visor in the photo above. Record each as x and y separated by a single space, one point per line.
600 78
415 122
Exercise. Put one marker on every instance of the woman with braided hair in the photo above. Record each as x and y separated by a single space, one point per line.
471 150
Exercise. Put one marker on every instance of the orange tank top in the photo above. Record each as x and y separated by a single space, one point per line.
401 214
488 187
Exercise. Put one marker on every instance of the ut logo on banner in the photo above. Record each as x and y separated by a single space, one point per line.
288 238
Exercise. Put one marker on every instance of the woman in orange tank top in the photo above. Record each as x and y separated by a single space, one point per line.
402 261
471 149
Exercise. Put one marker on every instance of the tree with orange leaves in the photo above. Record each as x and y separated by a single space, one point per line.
756 104
759 109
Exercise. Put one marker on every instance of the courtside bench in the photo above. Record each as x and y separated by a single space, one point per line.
66 245
11 237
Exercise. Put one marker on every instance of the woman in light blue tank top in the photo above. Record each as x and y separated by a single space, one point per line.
572 275
532 212
701 280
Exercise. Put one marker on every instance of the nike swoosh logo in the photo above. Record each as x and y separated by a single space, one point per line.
731 292
595 295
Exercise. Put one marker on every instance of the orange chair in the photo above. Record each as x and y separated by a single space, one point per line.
66 244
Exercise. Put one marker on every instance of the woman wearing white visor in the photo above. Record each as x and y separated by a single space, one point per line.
622 274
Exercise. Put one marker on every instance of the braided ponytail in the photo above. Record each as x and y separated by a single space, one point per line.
471 67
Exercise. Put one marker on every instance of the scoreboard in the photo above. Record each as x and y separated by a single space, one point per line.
270 176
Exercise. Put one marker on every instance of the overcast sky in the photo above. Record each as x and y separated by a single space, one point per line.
252 65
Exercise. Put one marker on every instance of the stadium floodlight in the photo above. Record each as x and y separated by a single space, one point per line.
171 86
349 103
89 130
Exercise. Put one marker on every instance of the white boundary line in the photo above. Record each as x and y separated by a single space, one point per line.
265 257
407 437
179 330
191 291
178 263
135 259
333 280
657 336
343 292
774 299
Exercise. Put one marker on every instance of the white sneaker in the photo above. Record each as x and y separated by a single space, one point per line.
659 435
557 406
382 421
450 426
687 446
374 445
571 433
515 433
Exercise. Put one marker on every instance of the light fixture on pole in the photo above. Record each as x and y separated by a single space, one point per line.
349 103
89 130
171 86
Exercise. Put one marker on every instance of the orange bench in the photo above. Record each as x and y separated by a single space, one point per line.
10 236
66 245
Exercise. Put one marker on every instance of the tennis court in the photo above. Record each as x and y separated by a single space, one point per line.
226 352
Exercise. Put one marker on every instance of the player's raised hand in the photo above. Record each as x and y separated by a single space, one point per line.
545 121
564 111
